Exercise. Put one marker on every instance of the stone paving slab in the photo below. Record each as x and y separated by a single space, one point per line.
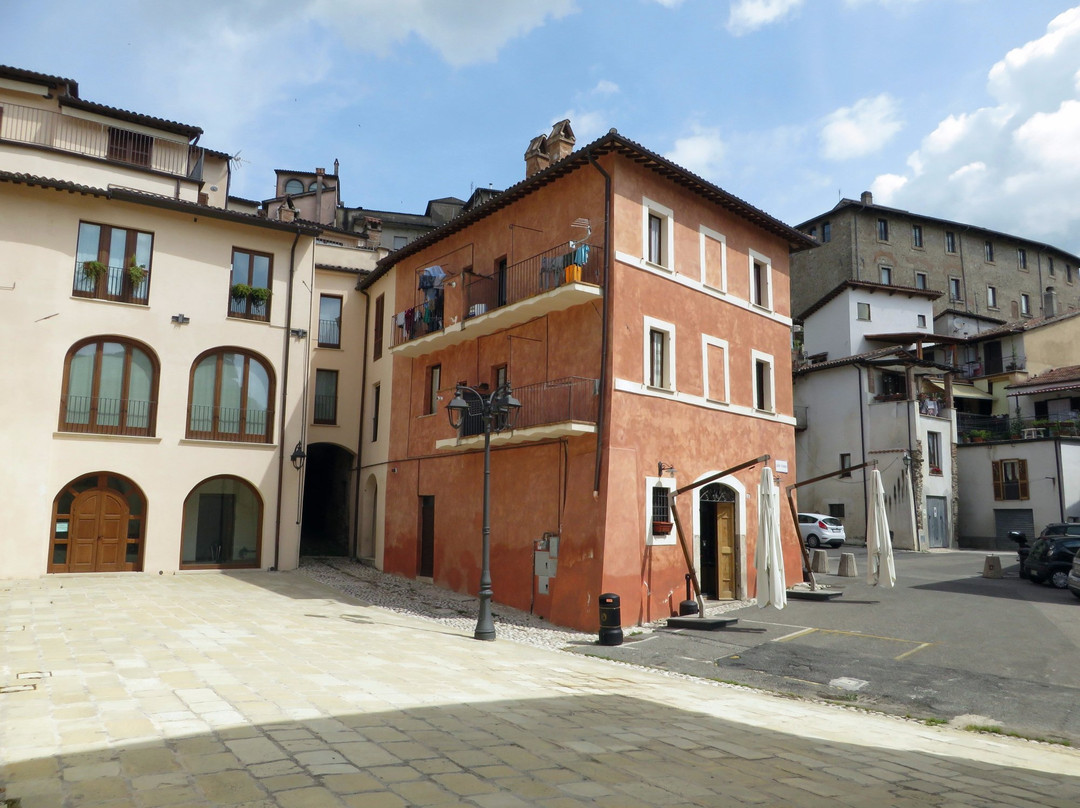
268 689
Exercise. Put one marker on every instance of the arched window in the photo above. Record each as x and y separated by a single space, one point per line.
222 524
231 395
294 187
110 388
98 524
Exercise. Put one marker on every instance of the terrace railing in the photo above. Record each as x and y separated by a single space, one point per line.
533 276
114 284
574 398
105 416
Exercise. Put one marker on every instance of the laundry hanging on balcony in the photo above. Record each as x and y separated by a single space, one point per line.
432 278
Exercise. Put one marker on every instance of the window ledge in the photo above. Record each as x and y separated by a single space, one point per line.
106 436
761 307
125 303
232 443
667 390
661 267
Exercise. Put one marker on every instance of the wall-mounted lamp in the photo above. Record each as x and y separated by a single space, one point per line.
299 333
661 467
298 456
181 319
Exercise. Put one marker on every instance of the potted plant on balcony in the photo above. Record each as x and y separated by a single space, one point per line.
136 273
660 528
240 292
93 270
979 435
258 296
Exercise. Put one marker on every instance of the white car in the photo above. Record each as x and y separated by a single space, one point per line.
818 529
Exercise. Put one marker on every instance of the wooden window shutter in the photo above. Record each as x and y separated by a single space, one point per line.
1021 466
999 486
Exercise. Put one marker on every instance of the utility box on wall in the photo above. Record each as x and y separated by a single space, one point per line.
545 561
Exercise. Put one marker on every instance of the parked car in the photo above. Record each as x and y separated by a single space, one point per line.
1054 529
1073 581
1051 559
818 529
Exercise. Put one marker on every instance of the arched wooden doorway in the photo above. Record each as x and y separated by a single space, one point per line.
97 525
719 566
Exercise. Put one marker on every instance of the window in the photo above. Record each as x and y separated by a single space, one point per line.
379 326
661 508
657 243
499 376
230 397
988 250
129 147
252 274
326 384
991 297
893 386
921 320
916 236
863 311
886 275
400 241
1021 258
1050 265
330 321
1010 479
954 289
933 452
1068 273
760 280
713 259
920 280
836 510
714 361
812 232
1025 305
376 395
222 524
294 186
659 350
431 394
763 382
826 232
883 229
845 463
110 388
112 263
950 241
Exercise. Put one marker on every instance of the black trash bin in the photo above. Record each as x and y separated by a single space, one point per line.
610 620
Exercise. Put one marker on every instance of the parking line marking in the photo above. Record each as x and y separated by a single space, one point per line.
915 650
919 646
795 634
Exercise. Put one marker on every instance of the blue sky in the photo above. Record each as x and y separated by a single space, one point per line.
963 109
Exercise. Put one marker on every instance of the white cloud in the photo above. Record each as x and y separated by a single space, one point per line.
463 32
747 16
861 129
701 152
605 87
587 126
1014 165
885 187
669 3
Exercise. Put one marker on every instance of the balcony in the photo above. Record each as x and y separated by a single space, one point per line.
983 428
993 366
106 416
41 127
558 408
110 282
545 283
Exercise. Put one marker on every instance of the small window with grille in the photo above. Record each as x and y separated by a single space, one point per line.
661 509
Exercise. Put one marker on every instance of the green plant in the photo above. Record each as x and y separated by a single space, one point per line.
94 270
136 273
258 295
240 291
979 434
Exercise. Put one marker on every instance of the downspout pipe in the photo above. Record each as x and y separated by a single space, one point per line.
285 398
605 322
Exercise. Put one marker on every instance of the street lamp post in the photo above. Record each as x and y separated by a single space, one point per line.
497 411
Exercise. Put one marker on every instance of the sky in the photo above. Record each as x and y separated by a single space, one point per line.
967 110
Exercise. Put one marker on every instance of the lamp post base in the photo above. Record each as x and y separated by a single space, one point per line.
485 626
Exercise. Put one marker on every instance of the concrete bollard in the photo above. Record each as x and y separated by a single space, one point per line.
848 567
819 561
992 567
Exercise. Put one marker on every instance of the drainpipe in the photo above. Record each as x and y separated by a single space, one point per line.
284 397
605 326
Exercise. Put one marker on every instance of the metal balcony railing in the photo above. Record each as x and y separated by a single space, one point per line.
533 276
229 423
326 409
114 284
105 416
977 428
330 333
42 127
574 398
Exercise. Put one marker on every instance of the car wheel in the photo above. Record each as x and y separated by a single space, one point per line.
1059 579
813 541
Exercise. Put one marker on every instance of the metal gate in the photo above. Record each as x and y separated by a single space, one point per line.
937 522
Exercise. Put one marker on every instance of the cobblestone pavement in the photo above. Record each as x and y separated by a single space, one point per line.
270 689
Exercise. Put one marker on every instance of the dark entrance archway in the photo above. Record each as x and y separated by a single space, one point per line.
327 501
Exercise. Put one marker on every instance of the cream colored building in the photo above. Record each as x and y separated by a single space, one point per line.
162 346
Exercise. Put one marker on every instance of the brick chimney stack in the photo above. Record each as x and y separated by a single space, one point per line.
561 141
867 198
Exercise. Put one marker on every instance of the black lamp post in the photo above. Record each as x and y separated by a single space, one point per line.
497 411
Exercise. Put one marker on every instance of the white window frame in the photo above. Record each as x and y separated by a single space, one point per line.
1025 305
722 344
991 297
704 234
860 308
766 262
661 539
921 320
651 324
667 233
770 393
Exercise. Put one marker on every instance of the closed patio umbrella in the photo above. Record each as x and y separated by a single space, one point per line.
769 555
880 569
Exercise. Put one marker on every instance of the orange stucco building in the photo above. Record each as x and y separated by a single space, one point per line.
641 316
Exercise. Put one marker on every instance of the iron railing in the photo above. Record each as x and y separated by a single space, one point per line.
251 425
974 428
42 127
114 284
533 276
326 409
989 367
418 321
330 333
574 398
106 416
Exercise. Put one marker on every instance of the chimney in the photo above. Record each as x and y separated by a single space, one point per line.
561 141
536 156
320 174
867 198
1050 306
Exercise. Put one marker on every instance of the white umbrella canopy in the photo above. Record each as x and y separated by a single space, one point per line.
769 555
880 569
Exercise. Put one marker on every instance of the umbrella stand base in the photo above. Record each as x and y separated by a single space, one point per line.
821 593
701 623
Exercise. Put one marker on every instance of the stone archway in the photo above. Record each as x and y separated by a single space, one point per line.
325 527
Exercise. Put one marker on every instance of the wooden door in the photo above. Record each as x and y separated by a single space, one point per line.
725 550
99 520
